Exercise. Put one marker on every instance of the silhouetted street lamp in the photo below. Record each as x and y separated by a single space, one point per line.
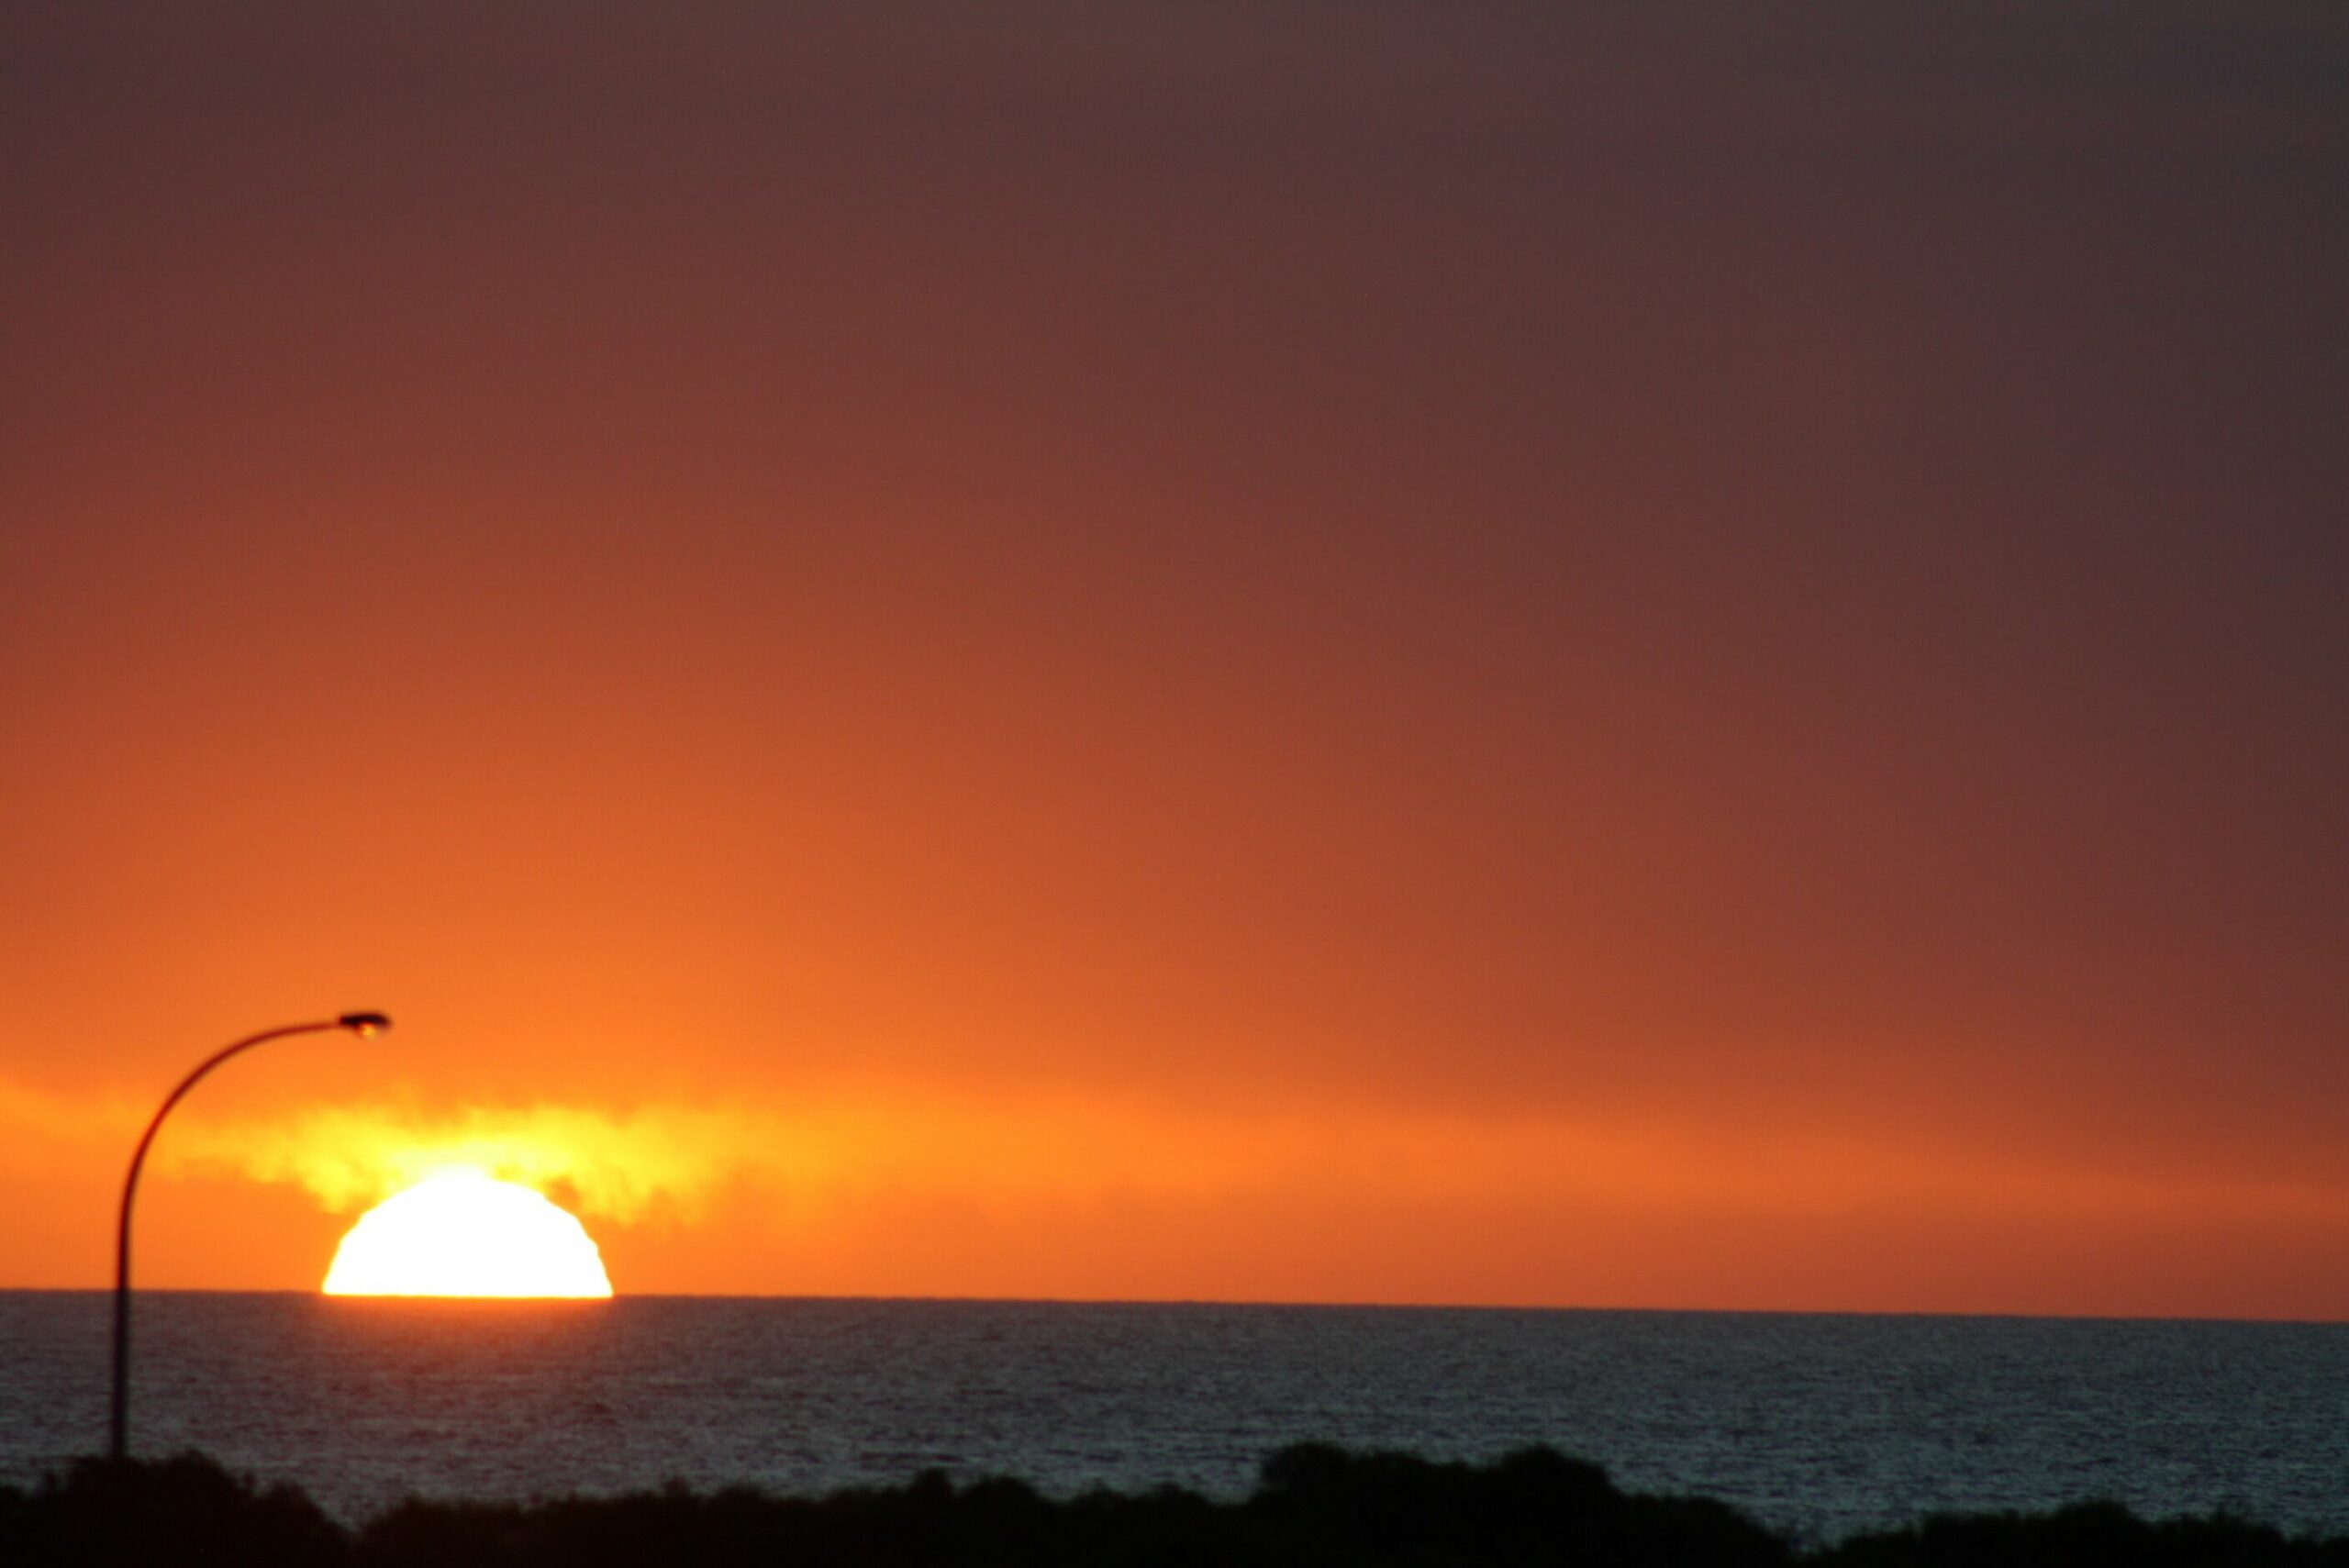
363 1024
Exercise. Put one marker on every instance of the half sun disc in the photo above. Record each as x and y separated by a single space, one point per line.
467 1234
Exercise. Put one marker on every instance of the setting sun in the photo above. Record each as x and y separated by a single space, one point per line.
467 1234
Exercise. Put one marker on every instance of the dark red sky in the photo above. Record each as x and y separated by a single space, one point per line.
1766 590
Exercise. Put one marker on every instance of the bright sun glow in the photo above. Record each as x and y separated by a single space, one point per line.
466 1234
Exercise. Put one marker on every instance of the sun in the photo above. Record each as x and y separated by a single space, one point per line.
467 1234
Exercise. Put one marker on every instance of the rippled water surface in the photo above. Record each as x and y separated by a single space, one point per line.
1821 1424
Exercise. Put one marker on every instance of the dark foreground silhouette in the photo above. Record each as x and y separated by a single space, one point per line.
1313 1505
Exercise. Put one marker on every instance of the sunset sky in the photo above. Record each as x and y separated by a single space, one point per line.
1639 654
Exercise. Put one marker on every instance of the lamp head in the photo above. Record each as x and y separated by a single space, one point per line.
366 1025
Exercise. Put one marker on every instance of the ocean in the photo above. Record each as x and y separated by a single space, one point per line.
1822 1425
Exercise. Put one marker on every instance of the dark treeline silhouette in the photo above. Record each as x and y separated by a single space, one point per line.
1313 1506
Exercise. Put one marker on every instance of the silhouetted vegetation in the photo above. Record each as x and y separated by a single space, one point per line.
1313 1506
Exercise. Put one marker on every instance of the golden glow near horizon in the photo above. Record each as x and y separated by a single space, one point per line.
465 1233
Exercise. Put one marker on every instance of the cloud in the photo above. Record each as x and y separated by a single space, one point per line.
823 1152
37 1127
611 1165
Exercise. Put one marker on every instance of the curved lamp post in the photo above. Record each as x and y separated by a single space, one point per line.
363 1024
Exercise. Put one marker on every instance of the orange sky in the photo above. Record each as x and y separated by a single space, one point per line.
1436 654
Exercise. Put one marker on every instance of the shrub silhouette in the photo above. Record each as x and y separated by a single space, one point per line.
2085 1535
1533 1506
164 1514
1314 1507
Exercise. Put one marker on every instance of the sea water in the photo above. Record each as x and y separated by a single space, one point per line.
1819 1425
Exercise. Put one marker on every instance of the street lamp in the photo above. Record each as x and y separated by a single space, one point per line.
365 1025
